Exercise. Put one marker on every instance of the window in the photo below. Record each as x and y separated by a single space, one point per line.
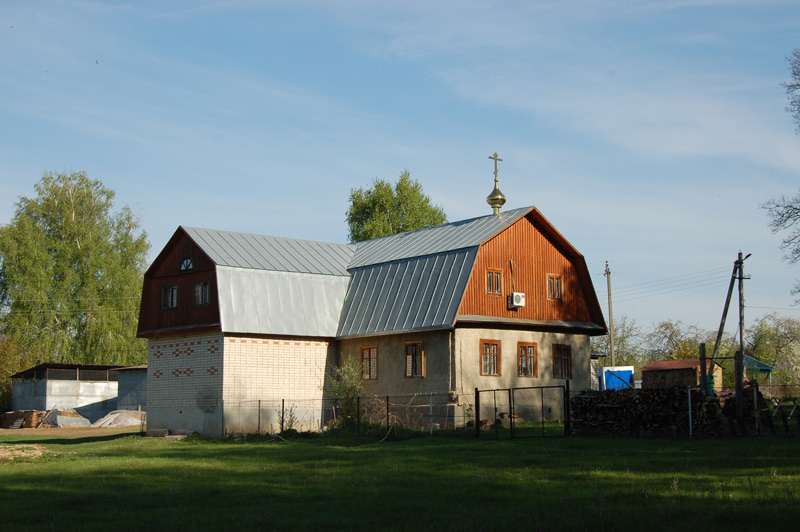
554 287
202 294
490 357
562 362
187 264
169 296
415 363
527 362
369 362
494 282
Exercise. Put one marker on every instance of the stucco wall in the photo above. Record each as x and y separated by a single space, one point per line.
468 351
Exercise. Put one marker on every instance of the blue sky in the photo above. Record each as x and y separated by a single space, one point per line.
647 132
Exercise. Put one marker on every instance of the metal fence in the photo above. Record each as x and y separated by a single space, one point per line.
528 412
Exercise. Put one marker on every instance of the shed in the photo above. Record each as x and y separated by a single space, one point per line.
684 372
89 389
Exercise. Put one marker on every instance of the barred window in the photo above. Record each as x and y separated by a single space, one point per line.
562 362
369 362
490 357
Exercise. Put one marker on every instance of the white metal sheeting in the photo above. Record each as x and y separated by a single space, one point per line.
275 302
412 294
261 252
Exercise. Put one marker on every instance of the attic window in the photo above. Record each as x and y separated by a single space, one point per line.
187 264
169 297
494 282
553 287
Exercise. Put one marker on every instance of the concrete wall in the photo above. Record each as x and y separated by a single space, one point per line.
91 399
132 389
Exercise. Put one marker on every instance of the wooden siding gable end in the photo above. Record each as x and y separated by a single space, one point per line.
526 253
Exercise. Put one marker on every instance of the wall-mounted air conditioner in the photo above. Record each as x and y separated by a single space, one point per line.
516 300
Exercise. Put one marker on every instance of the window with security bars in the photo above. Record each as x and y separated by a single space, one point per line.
562 362
527 362
415 363
490 357
369 363
169 297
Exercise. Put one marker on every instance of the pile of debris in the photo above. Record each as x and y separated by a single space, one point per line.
123 418
647 412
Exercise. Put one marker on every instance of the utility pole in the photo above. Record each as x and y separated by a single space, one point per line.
610 318
740 353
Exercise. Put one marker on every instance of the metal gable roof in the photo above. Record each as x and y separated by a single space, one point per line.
261 252
406 295
442 238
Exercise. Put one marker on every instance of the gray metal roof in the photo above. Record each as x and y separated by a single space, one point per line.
412 294
448 237
260 252
277 302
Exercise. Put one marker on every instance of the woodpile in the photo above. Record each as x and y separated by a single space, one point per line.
647 412
21 419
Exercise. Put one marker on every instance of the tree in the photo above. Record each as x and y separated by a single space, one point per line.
345 388
628 338
776 341
71 275
383 211
793 87
784 213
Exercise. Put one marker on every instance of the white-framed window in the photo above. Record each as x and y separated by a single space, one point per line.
169 296
494 282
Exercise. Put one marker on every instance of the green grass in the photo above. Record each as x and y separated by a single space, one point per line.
341 482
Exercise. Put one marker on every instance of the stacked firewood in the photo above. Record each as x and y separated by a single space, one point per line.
646 412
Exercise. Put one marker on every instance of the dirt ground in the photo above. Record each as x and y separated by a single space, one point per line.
77 432
22 452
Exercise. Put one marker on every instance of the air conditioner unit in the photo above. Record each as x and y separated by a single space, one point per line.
516 300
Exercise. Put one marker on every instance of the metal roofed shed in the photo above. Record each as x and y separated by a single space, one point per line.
683 372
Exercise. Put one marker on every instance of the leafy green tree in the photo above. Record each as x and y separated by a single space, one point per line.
344 389
71 274
382 210
776 340
12 360
628 337
793 87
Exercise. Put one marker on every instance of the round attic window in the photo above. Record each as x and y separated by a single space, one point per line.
187 264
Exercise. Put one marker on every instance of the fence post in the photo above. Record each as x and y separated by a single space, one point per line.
511 413
690 411
259 416
283 411
477 413
567 427
387 412
358 415
430 404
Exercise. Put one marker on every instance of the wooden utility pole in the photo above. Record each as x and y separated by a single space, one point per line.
610 318
740 353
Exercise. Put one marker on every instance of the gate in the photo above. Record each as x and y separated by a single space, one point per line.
526 412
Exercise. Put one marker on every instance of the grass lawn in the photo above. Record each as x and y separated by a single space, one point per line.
117 480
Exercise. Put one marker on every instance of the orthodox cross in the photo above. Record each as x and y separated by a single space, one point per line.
496 160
